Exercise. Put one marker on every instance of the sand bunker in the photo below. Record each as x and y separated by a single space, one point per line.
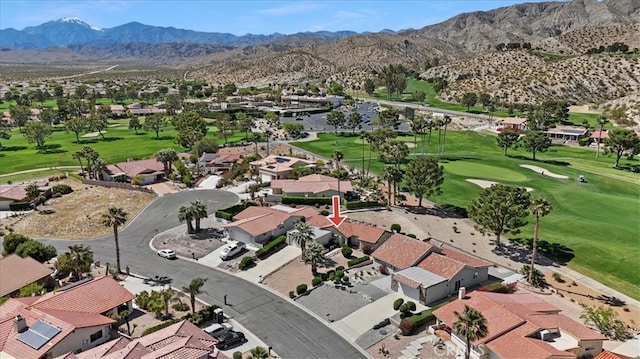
486 184
92 134
544 172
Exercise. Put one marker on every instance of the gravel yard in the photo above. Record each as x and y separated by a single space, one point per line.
78 215
339 303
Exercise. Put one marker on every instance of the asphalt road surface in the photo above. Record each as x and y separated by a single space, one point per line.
291 331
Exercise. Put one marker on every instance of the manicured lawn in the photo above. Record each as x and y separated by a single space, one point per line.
598 220
120 143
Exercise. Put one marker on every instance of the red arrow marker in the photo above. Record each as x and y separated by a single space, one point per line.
336 218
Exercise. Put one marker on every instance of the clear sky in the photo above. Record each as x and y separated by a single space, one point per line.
240 17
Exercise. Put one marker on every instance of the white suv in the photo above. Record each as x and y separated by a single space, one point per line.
231 250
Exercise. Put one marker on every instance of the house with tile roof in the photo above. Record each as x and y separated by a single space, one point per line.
399 252
313 185
275 167
71 319
214 162
10 193
365 236
17 272
182 340
258 225
150 171
516 124
521 326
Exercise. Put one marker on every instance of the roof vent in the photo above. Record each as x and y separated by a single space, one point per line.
19 323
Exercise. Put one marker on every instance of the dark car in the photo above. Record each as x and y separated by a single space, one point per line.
230 339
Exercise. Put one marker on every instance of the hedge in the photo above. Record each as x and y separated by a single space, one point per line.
355 261
311 201
409 324
362 204
161 326
271 247
19 206
229 212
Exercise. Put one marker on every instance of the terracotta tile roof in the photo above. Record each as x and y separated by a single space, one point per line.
467 259
319 221
109 347
13 192
401 251
80 320
516 345
253 211
105 293
365 232
261 224
511 121
441 265
293 186
134 168
611 355
405 280
601 135
16 272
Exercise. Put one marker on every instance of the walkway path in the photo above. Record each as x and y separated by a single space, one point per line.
40 170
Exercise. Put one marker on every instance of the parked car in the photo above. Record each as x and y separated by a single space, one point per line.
231 250
167 253
230 339
215 330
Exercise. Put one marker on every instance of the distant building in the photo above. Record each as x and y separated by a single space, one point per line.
149 171
278 167
516 124
17 272
314 185
564 134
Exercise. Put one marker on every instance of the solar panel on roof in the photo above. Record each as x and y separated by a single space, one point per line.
32 339
45 329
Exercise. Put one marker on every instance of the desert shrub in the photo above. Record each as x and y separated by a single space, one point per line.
396 227
292 294
301 288
355 261
411 306
160 326
316 281
142 299
237 355
557 277
339 273
411 235
397 303
61 188
345 279
347 251
340 268
332 276
19 206
56 195
245 262
12 241
271 247
407 327
181 307
497 288
324 212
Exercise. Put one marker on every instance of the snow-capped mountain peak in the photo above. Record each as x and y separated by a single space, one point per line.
79 21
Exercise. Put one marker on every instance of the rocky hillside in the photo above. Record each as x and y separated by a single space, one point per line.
528 77
578 42
348 61
530 22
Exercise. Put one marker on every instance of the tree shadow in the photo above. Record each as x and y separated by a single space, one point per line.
111 139
550 253
12 148
53 148
85 141
162 138
442 211
557 163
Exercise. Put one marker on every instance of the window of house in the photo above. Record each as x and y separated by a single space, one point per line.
95 336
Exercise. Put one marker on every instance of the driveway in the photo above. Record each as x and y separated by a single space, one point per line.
291 331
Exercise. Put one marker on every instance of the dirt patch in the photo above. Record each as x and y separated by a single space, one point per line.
188 245
78 215
589 108
297 272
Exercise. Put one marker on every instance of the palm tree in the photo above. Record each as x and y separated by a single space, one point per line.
199 211
194 289
540 208
302 234
268 133
78 156
166 295
80 257
472 325
115 218
431 124
602 120
363 137
418 126
387 175
255 138
446 121
397 174
314 255
124 314
259 353
338 156
167 156
185 213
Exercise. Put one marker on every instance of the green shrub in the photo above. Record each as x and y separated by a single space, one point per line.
19 206
301 288
496 288
332 276
237 355
396 228
340 268
309 201
142 299
229 212
161 326
345 279
324 212
245 262
61 188
411 306
409 324
181 307
584 141
271 247
362 204
347 251
56 195
397 303
557 277
76 176
411 235
316 281
292 294
339 274
355 261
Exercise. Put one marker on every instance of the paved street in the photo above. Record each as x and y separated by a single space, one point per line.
291 331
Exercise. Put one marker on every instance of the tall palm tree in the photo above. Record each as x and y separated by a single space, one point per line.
194 288
314 255
91 155
115 218
259 353
540 208
446 121
418 126
80 258
255 138
388 176
185 213
437 124
303 233
398 175
602 120
338 156
268 133
431 124
472 325
166 295
363 137
199 211
78 156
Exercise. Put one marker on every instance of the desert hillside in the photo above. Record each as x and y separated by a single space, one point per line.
528 77
578 42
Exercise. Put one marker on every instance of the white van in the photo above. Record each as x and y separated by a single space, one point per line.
231 250
217 329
